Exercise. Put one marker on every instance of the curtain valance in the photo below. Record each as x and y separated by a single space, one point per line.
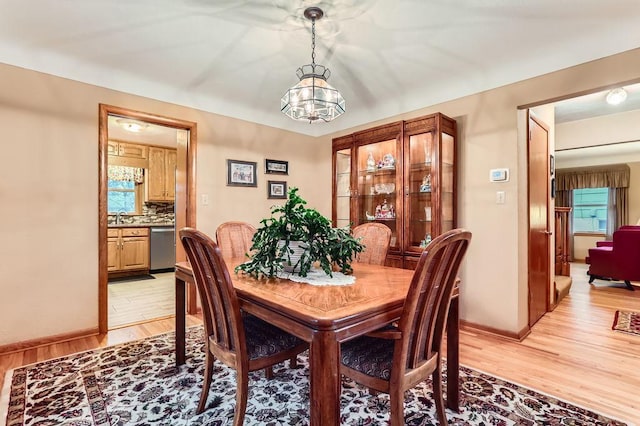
126 174
610 176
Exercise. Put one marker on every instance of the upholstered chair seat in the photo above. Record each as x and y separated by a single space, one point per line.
265 340
369 355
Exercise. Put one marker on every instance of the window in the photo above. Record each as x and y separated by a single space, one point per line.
590 210
122 197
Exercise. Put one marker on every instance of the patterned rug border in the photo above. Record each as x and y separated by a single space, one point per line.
6 388
4 397
626 320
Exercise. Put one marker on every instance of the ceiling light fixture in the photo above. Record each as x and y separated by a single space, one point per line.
313 99
132 125
616 96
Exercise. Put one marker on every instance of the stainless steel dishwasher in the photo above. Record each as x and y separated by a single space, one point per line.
162 241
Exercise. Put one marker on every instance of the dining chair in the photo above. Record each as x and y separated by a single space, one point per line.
234 238
376 238
398 357
237 339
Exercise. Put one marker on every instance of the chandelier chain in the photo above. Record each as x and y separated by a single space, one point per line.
313 43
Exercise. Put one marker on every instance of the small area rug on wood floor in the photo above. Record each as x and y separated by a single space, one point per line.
137 383
627 321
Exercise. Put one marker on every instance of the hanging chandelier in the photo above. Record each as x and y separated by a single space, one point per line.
313 99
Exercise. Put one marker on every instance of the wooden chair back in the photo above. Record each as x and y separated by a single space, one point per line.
220 307
376 238
426 307
235 238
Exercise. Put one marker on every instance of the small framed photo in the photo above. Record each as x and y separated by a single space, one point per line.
241 173
276 167
553 187
552 165
277 189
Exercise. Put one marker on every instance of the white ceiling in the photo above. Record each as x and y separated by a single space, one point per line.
237 58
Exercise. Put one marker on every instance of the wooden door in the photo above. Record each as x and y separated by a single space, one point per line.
112 148
134 253
538 182
156 177
113 254
132 150
170 174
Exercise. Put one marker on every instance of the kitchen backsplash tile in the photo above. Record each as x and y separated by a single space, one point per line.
151 213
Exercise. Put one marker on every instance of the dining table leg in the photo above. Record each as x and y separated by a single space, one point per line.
325 388
181 320
453 356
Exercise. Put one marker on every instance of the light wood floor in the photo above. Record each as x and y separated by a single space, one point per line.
135 301
571 353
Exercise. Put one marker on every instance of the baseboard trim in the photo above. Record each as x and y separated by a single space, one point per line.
44 341
519 336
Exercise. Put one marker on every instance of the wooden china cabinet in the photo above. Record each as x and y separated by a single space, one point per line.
403 175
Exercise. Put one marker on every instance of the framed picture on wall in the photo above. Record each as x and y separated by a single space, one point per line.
552 165
276 167
553 187
276 189
241 173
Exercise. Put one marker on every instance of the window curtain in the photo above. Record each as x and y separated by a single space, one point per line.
126 174
614 176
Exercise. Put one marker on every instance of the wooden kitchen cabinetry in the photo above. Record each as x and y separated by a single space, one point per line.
127 250
403 175
126 149
161 179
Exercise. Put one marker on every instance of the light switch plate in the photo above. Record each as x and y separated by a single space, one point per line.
500 197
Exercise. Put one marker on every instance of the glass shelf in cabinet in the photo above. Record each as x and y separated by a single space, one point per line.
421 221
420 166
377 172
384 194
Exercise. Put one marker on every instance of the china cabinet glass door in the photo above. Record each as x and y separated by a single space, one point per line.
421 184
379 183
447 183
343 188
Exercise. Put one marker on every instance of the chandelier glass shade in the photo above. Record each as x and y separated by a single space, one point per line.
616 96
313 99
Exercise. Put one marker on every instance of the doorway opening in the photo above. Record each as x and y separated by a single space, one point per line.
158 204
586 132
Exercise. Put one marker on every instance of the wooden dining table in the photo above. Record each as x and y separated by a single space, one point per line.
325 316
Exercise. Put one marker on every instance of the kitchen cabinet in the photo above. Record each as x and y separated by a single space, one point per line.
401 174
126 149
127 250
161 179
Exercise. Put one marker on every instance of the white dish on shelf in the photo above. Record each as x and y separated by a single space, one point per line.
385 188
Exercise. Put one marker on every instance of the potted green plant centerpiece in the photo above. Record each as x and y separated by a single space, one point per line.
295 238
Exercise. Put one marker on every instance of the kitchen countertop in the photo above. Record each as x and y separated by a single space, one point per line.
141 225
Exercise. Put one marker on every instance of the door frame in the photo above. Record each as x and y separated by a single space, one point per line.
185 201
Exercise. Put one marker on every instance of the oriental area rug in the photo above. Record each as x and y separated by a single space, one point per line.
137 383
627 321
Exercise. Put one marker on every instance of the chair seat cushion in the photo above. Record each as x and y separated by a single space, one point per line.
264 339
369 355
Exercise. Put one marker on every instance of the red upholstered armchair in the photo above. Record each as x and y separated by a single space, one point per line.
617 260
